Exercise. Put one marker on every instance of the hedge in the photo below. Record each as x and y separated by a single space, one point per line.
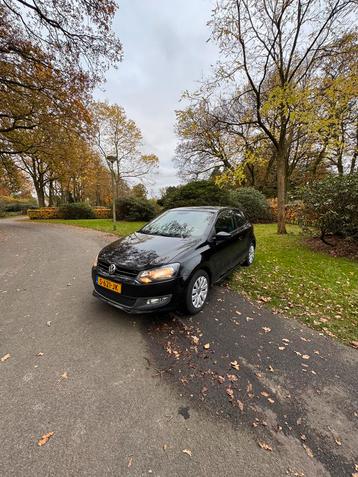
55 213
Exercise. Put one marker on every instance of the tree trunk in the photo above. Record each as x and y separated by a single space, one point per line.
281 192
40 195
50 194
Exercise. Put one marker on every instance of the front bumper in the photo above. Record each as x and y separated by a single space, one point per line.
164 296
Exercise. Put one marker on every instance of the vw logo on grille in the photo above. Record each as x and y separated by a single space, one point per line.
112 268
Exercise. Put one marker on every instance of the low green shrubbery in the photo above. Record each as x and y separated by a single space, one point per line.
252 202
135 209
9 204
331 205
76 210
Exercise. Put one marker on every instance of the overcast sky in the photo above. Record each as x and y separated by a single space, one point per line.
165 52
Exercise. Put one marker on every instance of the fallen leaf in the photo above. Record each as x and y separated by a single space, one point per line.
48 323
241 405
206 346
238 312
285 340
230 393
308 450
270 400
130 460
221 379
5 357
305 356
40 354
270 368
187 451
64 375
266 329
235 365
281 348
44 439
338 441
354 344
264 393
265 446
231 377
195 340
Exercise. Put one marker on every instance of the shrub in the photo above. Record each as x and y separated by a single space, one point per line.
293 210
44 213
2 209
102 212
194 193
16 205
252 202
135 208
76 210
331 206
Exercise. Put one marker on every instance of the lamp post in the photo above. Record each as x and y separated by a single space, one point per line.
112 160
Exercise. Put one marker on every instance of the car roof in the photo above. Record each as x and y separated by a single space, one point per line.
210 208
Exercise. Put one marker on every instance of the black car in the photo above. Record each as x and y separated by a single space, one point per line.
172 261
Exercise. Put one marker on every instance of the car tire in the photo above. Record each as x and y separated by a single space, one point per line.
197 292
250 255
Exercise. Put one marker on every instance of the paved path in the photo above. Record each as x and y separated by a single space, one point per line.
126 395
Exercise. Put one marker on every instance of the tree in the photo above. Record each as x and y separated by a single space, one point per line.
118 136
272 49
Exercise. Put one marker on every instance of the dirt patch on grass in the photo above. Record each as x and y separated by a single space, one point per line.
339 247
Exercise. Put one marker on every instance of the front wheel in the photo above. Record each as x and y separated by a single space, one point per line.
250 255
197 292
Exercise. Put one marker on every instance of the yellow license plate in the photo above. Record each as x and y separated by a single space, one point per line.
103 282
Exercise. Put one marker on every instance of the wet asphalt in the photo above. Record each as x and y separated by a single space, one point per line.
232 391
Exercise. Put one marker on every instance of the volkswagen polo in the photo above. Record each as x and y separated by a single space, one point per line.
173 260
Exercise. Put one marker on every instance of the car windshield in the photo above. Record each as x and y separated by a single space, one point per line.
179 223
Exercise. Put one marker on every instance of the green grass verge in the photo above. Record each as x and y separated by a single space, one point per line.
104 225
318 289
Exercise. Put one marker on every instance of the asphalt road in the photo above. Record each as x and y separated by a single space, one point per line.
127 395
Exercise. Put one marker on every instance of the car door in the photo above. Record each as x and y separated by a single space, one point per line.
242 234
224 249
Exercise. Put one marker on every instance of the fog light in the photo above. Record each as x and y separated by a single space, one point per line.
158 301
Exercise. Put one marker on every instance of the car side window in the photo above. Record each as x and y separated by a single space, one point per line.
239 218
225 222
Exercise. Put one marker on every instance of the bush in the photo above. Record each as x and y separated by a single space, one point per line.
331 206
293 210
44 213
76 210
16 205
194 193
252 202
135 208
102 212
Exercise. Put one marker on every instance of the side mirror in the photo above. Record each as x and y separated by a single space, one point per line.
222 235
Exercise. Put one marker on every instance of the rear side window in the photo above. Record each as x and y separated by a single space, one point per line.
239 218
225 222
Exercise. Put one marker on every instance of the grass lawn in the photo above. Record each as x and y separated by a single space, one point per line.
104 225
320 290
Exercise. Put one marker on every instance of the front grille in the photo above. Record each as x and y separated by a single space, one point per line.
103 265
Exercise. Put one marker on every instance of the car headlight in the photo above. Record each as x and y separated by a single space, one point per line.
158 274
95 261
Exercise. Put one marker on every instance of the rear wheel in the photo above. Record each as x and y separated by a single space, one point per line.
197 292
250 255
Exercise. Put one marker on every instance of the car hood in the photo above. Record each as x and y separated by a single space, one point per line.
138 251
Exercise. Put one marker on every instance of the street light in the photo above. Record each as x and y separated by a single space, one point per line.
112 160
